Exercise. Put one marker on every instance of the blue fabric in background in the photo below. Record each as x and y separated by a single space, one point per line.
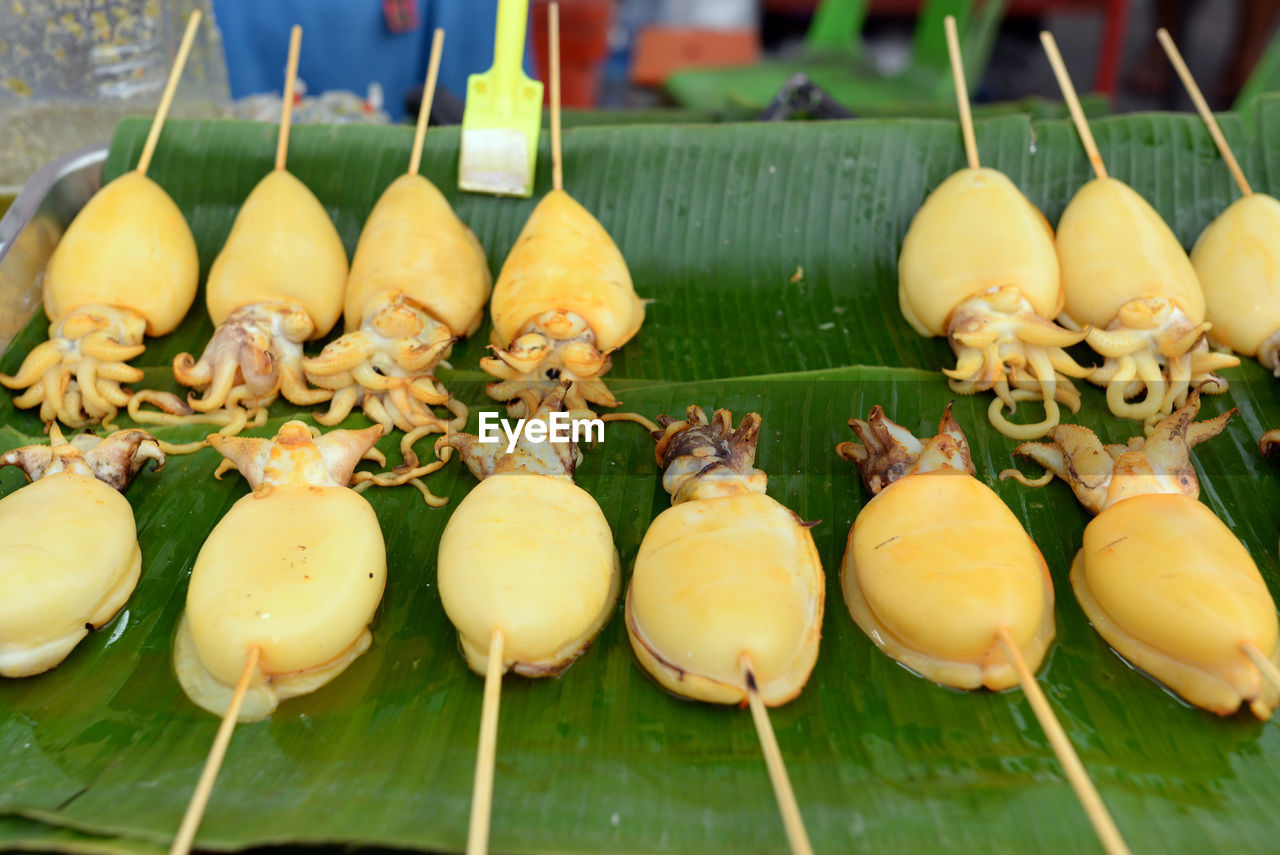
346 45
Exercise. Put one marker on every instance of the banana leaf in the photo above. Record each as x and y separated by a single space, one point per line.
769 252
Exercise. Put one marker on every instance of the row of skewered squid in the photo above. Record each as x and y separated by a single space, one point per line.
981 266
708 460
418 282
726 596
1159 576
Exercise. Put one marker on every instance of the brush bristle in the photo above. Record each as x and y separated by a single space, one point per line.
495 160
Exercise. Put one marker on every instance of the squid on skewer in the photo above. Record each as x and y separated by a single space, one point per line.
1126 277
562 303
548 598
418 283
1237 256
978 266
726 571
936 565
278 282
126 268
295 570
58 582
943 578
564 299
1160 577
527 569
726 600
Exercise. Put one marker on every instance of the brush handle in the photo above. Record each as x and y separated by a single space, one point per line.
508 46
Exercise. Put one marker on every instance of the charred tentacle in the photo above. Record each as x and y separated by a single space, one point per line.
888 451
114 459
254 355
1102 475
703 458
554 459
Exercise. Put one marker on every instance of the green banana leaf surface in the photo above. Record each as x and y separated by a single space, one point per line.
769 253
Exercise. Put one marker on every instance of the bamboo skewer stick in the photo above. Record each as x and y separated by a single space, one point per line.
1197 98
482 791
962 92
1073 103
204 787
428 95
1101 820
553 27
1265 665
286 109
797 837
170 87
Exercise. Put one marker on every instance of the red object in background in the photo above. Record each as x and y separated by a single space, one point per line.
401 15
584 45
660 51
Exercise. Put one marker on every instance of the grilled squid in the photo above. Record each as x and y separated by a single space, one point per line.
978 266
527 553
296 568
278 282
419 282
1161 578
126 268
1237 258
1126 275
58 582
562 303
725 572
936 565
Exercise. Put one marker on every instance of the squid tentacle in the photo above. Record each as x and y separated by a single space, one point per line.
1003 346
41 358
340 406
75 376
386 367
1154 350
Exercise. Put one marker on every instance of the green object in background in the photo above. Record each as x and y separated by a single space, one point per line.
1265 77
834 60
835 26
714 222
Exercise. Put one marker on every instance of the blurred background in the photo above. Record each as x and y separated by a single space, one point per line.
70 69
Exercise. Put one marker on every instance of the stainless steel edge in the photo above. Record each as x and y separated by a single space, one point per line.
34 224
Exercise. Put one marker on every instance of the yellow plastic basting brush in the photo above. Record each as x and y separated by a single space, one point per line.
503 115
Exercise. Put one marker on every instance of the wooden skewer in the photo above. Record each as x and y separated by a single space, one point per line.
1073 103
204 787
482 792
797 837
428 95
553 27
962 91
1103 825
175 74
1197 98
286 109
1264 664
